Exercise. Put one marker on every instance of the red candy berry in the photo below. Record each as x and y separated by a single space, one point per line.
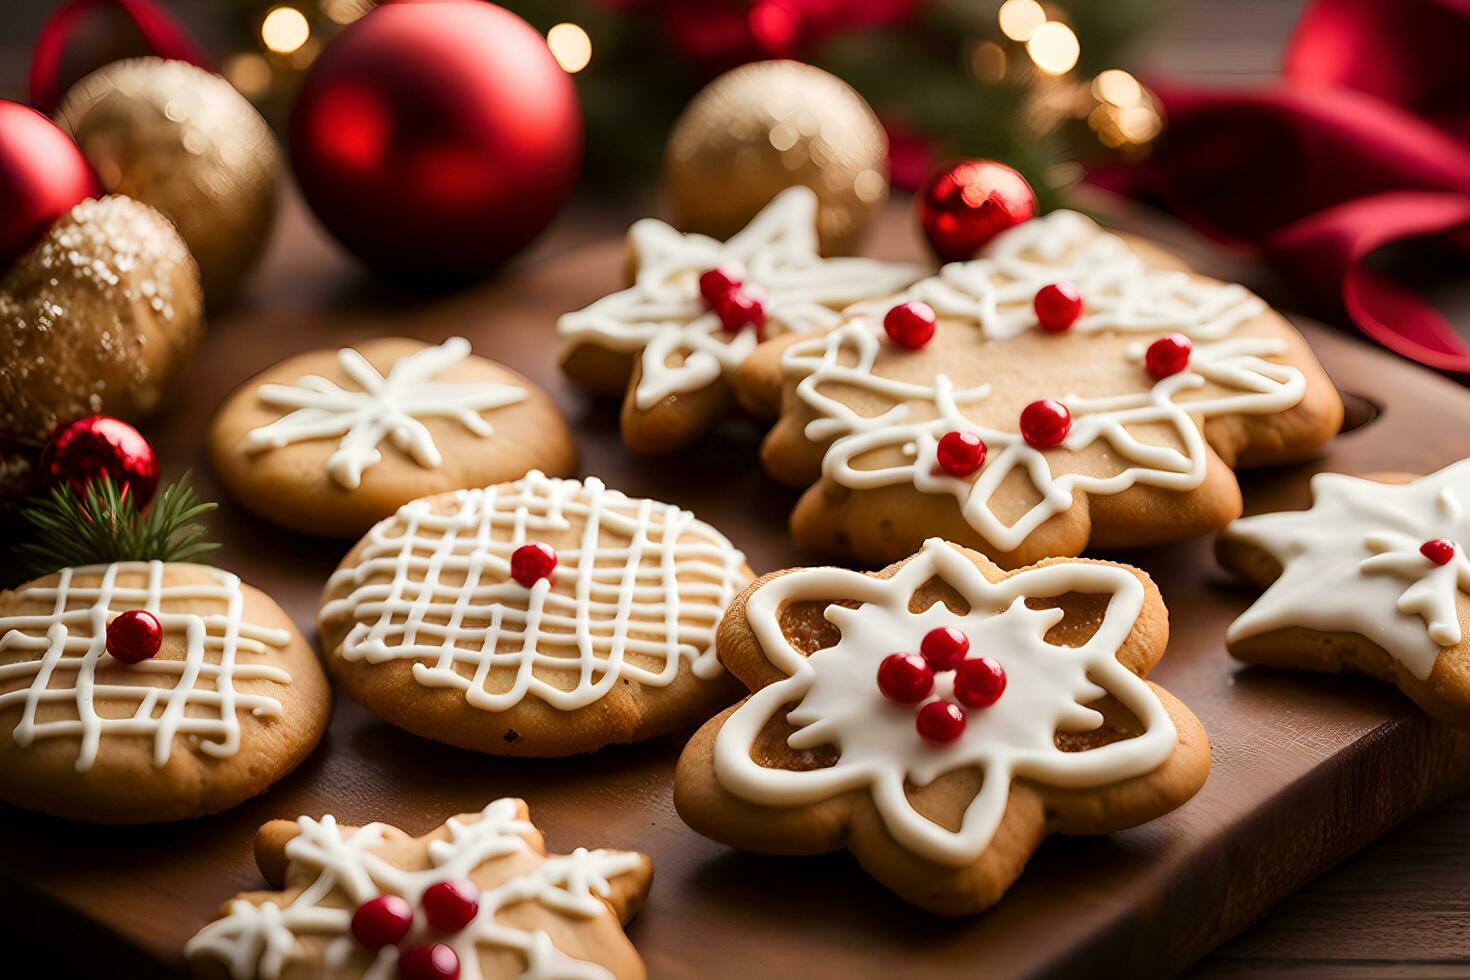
940 721
451 905
910 325
979 682
134 636
739 309
1057 306
530 563
960 453
1439 551
715 284
425 962
1045 423
905 678
382 921
944 647
1168 355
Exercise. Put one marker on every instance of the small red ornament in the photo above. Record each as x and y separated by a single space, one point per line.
1438 550
134 636
741 308
940 721
905 678
1045 423
79 452
425 962
1058 305
979 682
910 325
382 921
1168 355
42 176
960 453
966 204
715 284
451 905
530 563
944 647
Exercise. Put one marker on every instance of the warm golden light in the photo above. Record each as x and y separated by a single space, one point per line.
284 30
570 46
988 62
1118 88
250 73
1020 19
1054 48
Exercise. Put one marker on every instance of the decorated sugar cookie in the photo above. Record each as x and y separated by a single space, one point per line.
328 443
478 897
136 692
1067 389
1371 578
542 617
940 718
698 307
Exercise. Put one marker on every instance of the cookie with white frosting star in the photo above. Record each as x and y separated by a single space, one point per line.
940 718
1372 578
330 442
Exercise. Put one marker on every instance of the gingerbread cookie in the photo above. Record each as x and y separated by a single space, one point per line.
543 617
940 718
698 307
1066 390
331 442
141 692
478 897
1371 578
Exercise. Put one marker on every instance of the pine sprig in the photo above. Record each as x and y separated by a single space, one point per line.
102 524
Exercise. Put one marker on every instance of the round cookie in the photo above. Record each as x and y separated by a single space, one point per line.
232 701
445 621
329 443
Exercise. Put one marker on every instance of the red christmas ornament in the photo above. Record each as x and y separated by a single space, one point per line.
910 325
451 905
1439 551
715 284
940 721
425 962
1168 355
530 563
382 921
435 140
79 452
42 176
1057 305
960 453
1045 423
905 678
944 647
740 309
134 636
979 682
966 204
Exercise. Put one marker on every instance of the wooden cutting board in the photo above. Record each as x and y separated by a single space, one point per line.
1306 769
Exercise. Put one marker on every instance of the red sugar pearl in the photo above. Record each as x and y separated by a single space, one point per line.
1045 423
739 309
1057 306
425 962
960 453
944 647
715 284
134 636
1168 355
905 678
910 325
451 905
1438 551
530 563
979 682
940 721
382 921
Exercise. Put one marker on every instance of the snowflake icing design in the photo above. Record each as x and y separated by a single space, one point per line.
839 704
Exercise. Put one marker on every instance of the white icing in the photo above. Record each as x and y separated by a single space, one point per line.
838 702
656 593
684 347
384 408
260 941
1351 564
65 659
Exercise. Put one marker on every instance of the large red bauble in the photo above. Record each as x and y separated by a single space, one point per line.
435 140
967 203
79 452
42 176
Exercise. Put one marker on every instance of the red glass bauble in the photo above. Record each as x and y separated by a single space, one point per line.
435 140
42 176
79 452
940 721
979 682
425 962
905 678
134 636
967 203
451 905
382 921
530 563
1045 423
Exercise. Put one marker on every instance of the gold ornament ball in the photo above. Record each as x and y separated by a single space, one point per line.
96 317
185 142
761 128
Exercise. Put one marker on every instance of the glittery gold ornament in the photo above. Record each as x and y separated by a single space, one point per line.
96 317
763 127
184 141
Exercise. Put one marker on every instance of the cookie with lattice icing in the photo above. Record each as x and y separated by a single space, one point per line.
329 443
476 897
543 617
1372 578
940 718
227 699
697 308
954 410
